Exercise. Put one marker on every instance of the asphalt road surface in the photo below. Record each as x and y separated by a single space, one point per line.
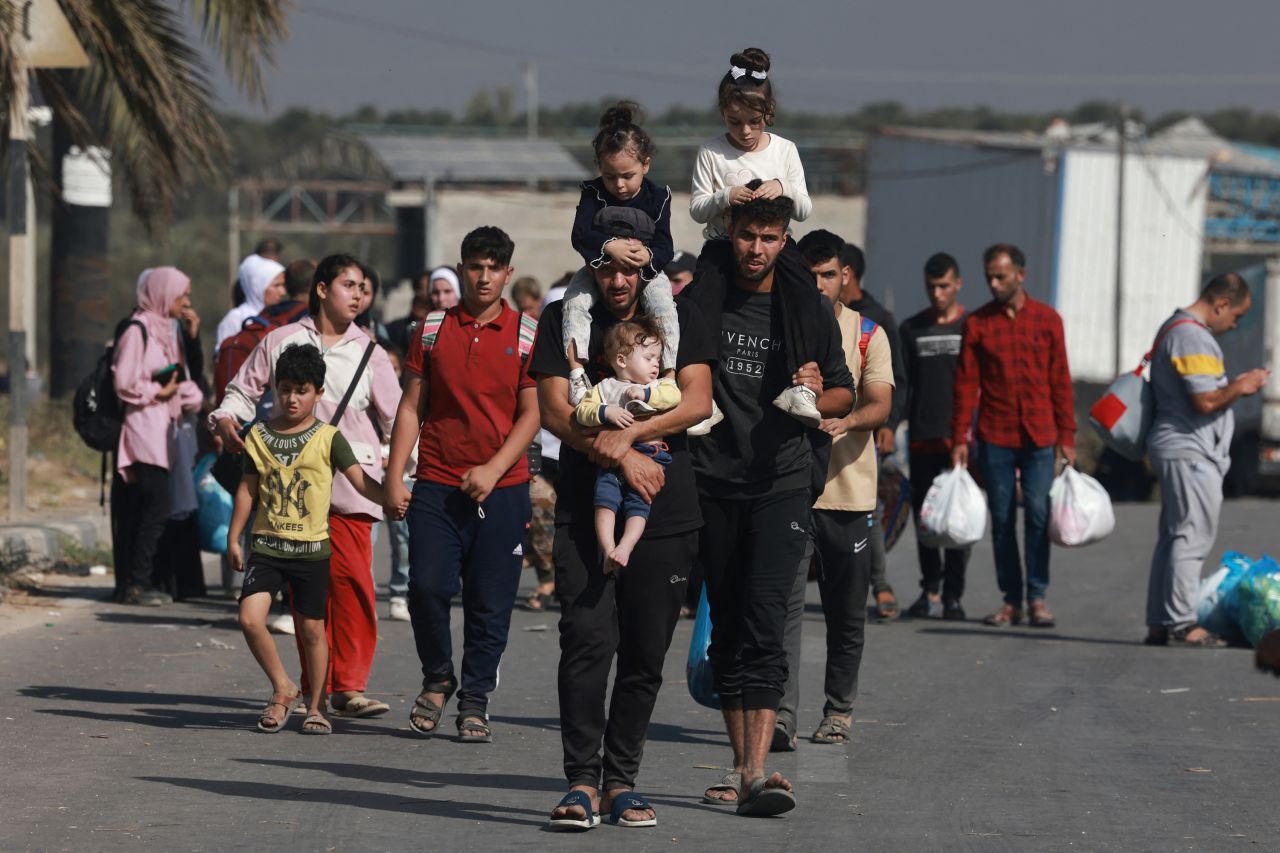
133 729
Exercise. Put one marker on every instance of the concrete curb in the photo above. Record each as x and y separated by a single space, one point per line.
39 541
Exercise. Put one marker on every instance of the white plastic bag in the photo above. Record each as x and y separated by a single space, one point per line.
954 514
1079 510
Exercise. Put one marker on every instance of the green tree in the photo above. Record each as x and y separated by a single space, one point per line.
146 95
147 98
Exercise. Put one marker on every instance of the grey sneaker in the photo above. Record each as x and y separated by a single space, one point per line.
801 403
146 597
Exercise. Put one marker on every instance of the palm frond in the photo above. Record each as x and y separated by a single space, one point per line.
243 33
152 93
8 61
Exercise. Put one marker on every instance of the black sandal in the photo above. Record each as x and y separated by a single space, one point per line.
473 727
539 602
427 711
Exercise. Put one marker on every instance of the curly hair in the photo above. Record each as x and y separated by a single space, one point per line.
623 337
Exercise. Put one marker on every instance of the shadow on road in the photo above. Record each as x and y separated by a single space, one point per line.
52 589
1039 635
132 697
661 732
161 718
132 617
416 778
456 809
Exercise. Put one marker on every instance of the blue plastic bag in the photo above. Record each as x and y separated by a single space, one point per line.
1227 591
1257 600
1211 607
214 507
702 685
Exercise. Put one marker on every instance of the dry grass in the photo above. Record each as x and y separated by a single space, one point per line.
62 473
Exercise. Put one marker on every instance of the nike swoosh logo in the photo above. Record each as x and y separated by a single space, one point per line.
859 546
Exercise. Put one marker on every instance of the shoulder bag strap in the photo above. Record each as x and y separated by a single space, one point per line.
355 380
1146 359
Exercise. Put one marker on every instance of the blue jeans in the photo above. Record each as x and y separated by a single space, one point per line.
398 533
1000 466
612 492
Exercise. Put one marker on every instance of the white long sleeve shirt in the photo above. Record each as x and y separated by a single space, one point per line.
720 167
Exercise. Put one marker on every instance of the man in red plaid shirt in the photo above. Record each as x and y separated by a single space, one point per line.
1013 371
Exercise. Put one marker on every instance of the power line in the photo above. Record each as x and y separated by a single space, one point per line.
959 169
685 72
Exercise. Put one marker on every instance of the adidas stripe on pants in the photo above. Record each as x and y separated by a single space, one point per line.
451 548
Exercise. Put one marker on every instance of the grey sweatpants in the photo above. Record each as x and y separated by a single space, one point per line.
1190 502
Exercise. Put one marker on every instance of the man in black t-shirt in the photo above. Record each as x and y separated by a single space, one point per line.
631 613
930 349
755 481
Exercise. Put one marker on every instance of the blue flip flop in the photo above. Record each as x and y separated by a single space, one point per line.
582 801
624 803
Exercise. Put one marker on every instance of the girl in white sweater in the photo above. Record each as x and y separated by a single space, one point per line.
748 162
726 163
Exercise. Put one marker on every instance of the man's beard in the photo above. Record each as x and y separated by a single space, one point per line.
747 275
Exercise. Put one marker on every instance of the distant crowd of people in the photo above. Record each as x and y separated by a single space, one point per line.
658 422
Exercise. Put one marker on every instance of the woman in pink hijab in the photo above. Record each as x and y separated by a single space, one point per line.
151 381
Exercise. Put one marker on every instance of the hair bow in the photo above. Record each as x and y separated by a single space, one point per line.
737 73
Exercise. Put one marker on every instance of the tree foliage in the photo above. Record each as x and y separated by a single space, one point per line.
146 95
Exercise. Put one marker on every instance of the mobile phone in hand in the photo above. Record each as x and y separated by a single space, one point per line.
164 374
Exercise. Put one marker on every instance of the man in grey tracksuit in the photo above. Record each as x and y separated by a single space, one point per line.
1189 445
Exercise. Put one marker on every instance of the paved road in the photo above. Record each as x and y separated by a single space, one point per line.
129 729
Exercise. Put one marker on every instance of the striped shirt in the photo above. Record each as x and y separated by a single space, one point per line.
1188 361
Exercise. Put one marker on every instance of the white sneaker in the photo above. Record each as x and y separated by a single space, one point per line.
399 609
704 427
801 403
579 385
282 624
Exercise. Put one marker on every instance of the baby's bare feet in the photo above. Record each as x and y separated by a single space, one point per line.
619 557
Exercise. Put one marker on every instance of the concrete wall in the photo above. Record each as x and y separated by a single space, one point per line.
540 224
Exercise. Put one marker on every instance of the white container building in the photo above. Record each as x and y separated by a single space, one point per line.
1054 196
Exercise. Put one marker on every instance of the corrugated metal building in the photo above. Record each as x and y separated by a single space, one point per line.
1054 196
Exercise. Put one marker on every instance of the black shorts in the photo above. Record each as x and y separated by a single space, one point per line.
308 582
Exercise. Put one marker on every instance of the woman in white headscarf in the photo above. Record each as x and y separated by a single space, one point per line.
444 291
262 281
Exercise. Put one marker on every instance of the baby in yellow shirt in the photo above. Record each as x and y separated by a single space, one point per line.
633 349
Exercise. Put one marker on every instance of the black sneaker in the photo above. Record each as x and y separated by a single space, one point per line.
147 597
925 608
952 611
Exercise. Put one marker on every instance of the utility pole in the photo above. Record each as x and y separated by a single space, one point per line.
1119 294
16 200
531 98
42 38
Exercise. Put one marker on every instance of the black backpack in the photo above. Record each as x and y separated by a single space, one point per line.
96 411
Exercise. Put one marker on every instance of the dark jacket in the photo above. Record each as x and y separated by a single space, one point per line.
807 323
652 199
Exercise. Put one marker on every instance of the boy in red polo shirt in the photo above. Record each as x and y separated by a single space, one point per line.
470 404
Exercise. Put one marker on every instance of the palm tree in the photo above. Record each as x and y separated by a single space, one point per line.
146 97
